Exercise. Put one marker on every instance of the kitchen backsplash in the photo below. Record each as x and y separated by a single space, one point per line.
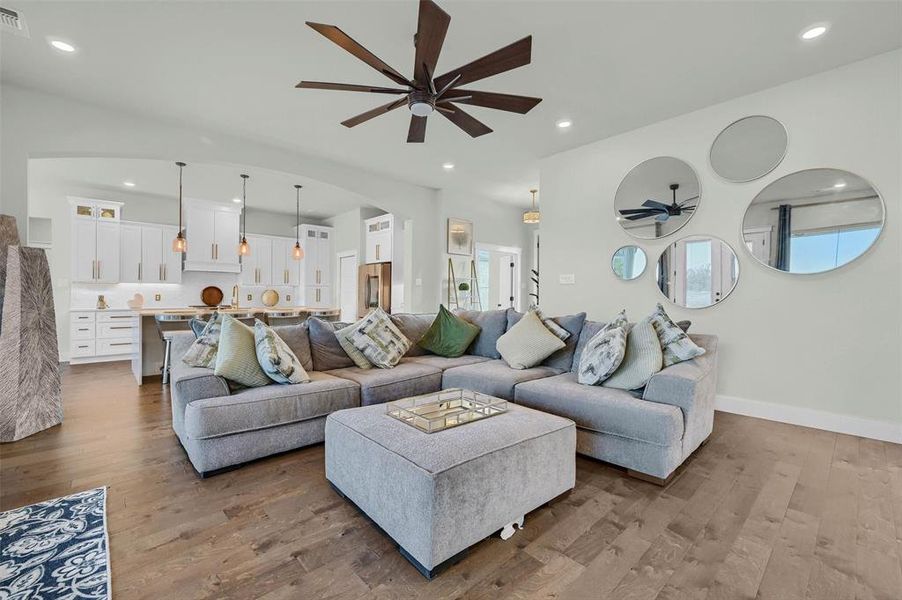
173 295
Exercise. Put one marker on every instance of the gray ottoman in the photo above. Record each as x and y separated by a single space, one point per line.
438 494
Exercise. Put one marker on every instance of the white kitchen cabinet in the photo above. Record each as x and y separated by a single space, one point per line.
316 296
316 267
146 256
212 232
380 238
284 267
257 267
99 336
172 261
95 240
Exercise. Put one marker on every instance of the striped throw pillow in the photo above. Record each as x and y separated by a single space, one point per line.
528 343
643 358
236 359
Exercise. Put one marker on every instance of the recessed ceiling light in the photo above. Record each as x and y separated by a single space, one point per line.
564 123
448 166
62 46
839 185
236 200
128 183
815 31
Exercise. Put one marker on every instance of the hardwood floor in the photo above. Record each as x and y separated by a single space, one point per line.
764 510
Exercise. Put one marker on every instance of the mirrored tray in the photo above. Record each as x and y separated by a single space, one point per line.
445 409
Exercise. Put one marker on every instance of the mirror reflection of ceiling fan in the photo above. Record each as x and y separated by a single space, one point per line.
660 211
426 93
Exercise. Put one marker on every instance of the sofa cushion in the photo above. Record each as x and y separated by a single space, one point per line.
269 406
236 358
492 324
443 363
325 350
528 343
563 358
603 410
449 335
343 336
494 377
276 358
383 385
643 358
413 327
379 340
298 339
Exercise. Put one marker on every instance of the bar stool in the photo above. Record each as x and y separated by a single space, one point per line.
166 324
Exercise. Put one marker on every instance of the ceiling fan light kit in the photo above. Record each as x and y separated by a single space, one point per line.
426 94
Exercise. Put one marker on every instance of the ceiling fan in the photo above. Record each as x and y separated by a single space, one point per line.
660 211
426 93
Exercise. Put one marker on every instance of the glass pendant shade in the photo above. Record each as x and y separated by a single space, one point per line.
297 253
244 249
179 244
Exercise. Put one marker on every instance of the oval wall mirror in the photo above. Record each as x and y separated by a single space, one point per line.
749 148
628 262
813 221
657 197
697 271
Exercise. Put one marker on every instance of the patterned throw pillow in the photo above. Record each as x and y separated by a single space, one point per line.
528 343
379 340
197 325
202 353
604 352
275 357
449 335
558 331
676 344
343 335
237 356
643 358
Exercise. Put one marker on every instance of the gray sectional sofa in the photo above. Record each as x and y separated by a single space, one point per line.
649 432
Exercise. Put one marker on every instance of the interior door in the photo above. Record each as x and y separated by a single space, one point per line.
151 254
85 254
347 287
108 252
130 253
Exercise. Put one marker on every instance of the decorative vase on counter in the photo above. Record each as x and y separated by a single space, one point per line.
101 302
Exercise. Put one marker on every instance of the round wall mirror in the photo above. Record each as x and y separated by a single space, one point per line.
628 262
697 271
813 221
656 198
749 148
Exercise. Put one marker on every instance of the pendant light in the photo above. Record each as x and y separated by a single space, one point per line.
244 248
531 217
298 252
180 244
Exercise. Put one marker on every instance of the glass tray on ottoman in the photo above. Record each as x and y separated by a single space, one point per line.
445 409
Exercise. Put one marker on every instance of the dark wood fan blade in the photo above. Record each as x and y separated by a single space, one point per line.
417 132
348 87
508 102
655 204
636 211
431 29
381 110
466 122
637 217
337 36
510 57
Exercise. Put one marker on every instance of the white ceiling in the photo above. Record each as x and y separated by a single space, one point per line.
610 67
266 190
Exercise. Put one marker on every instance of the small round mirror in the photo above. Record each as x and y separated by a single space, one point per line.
697 271
656 198
749 148
813 221
628 262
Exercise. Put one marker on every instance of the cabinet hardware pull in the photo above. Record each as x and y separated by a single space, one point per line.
139 270
84 329
82 346
377 251
166 272
99 270
212 251
121 344
120 316
121 327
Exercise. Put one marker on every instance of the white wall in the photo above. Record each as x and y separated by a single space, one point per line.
822 346
39 125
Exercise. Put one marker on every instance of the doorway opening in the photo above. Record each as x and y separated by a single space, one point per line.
498 272
347 286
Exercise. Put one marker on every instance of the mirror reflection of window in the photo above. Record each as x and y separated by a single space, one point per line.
697 272
628 262
699 282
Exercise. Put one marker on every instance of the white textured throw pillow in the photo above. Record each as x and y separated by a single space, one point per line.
643 358
604 352
379 340
528 343
676 344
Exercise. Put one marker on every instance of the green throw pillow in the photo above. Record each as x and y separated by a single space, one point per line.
237 356
449 335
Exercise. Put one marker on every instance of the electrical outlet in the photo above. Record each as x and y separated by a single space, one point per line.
157 297
566 279
250 297
287 297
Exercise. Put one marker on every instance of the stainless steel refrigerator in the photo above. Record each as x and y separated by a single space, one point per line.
373 288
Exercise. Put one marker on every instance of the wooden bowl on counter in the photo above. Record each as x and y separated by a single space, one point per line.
211 296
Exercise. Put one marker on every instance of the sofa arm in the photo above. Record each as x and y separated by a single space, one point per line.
691 386
195 383
180 341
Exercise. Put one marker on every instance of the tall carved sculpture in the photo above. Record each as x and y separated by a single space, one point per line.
30 398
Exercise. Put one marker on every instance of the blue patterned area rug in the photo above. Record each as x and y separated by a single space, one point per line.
56 549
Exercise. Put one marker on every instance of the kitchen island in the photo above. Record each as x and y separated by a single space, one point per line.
149 347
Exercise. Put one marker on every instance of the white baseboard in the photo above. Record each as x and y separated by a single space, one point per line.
809 417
